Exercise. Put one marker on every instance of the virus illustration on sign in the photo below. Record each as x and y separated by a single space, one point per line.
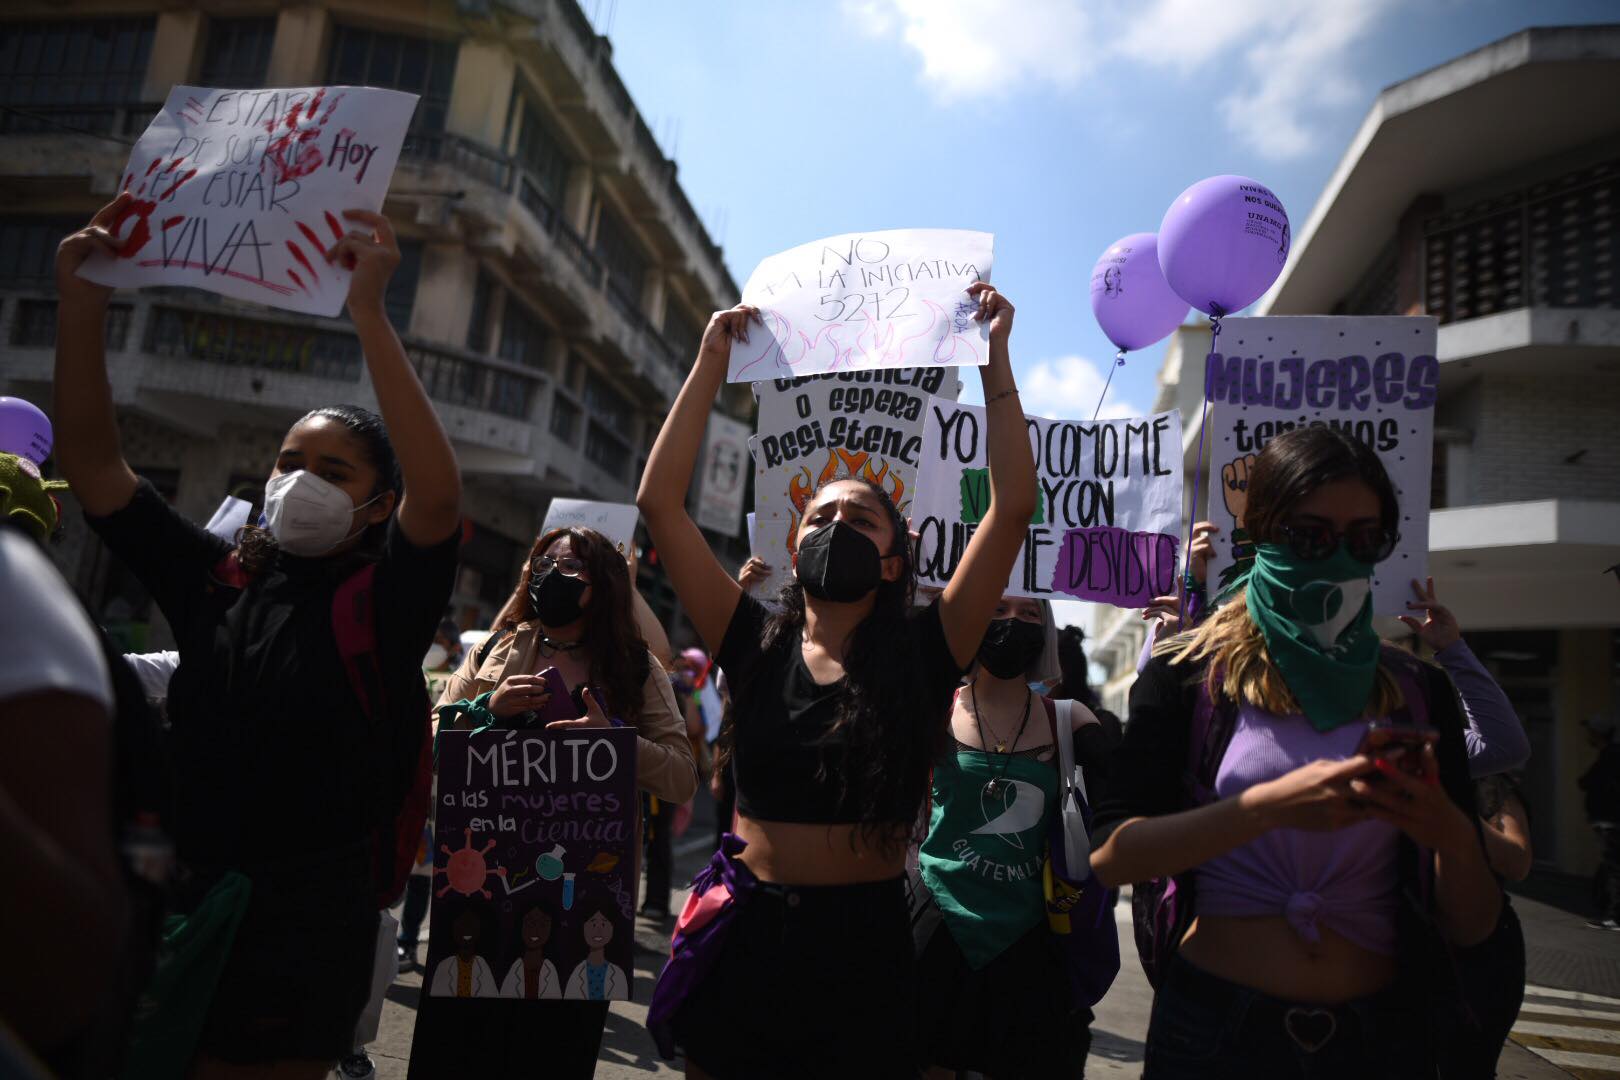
842 465
468 869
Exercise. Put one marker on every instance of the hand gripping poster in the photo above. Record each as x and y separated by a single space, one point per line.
888 299
1374 377
241 192
1107 519
534 887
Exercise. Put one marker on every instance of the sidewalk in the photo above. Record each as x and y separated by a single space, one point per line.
1571 1013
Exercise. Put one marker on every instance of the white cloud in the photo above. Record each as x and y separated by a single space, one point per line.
971 49
1280 62
1069 388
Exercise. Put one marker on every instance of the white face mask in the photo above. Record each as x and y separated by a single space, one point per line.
308 515
436 656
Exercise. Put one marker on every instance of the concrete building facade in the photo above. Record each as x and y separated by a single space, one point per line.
554 285
1486 193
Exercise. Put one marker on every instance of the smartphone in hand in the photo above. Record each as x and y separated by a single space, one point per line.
1401 746
561 704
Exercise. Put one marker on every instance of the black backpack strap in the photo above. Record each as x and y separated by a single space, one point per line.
489 646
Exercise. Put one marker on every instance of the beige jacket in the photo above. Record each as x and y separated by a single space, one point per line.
664 764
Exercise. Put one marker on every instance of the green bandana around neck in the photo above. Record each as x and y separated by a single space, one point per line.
1316 618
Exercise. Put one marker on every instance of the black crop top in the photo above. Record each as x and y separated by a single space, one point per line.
781 717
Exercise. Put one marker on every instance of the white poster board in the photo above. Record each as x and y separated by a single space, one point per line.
889 299
241 192
1107 523
856 424
769 541
722 480
1374 376
616 521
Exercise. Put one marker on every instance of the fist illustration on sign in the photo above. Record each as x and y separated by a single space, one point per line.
1235 487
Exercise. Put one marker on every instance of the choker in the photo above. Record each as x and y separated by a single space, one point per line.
559 646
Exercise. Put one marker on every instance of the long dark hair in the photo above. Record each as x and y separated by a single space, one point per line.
882 716
1297 462
256 547
619 662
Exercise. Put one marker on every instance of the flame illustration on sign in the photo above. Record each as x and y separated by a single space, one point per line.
842 465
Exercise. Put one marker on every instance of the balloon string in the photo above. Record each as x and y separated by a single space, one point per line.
1119 362
1198 470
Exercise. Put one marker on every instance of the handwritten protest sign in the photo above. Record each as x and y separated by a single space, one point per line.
241 192
1375 377
886 299
534 885
616 521
1107 523
856 424
769 539
722 481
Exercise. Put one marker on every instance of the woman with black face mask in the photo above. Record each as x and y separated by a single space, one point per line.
574 609
993 992
794 956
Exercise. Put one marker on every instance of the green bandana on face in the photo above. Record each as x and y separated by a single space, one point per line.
1316 618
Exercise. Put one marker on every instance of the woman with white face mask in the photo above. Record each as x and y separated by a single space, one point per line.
286 777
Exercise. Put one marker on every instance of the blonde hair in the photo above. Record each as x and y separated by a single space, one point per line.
1238 666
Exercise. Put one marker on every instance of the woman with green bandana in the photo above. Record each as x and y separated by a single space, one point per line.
1340 900
993 992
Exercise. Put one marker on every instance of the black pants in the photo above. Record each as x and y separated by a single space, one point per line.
659 843
1606 885
418 888
1207 1028
811 982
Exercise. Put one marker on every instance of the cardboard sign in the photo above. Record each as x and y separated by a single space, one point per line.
616 521
1106 525
889 299
1375 377
856 424
722 480
769 539
241 192
534 886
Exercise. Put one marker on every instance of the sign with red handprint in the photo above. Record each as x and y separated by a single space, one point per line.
241 192
1373 377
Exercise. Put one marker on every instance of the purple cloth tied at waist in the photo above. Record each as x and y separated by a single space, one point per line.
718 892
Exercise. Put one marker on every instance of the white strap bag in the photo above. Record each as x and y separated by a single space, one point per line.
1071 789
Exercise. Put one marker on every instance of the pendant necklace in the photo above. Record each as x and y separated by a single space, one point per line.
993 786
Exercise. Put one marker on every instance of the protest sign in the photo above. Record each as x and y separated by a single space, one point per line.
722 479
1375 377
770 540
889 299
616 521
241 192
1107 523
855 424
534 886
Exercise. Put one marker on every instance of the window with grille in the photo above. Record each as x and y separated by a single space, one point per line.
398 62
683 333
609 407
606 450
619 253
541 151
28 249
523 335
478 320
237 53
75 72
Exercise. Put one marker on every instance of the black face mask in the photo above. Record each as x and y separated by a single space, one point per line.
555 598
837 562
1011 646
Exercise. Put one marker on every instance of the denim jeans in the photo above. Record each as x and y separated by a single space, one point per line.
1206 1028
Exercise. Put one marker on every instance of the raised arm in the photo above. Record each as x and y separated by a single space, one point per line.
706 590
87 448
431 508
971 596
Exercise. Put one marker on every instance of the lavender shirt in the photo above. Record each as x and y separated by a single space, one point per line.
1343 880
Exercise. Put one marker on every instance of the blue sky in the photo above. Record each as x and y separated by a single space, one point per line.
1059 125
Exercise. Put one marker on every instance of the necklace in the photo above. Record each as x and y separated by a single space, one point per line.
558 646
993 786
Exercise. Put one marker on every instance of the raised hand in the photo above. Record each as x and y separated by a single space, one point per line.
724 328
994 308
754 571
1439 628
79 246
372 253
1235 487
1202 549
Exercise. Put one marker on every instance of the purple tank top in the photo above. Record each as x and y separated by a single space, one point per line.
1343 880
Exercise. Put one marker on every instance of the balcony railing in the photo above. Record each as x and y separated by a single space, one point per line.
470 158
1555 244
67 119
235 341
33 324
461 379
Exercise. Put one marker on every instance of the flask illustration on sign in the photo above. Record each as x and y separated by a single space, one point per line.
550 865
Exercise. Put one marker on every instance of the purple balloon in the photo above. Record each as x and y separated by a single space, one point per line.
1133 303
1223 242
24 430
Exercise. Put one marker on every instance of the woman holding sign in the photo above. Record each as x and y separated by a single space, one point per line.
289 778
1308 787
839 702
